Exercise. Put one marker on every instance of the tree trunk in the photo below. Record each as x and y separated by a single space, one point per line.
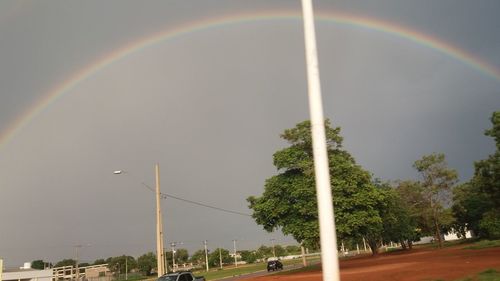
372 243
403 244
410 244
438 233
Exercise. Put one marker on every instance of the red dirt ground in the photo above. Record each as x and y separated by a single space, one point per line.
420 264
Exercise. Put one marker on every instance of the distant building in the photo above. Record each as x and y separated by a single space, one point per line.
27 275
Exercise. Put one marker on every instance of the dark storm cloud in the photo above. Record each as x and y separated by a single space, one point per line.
209 107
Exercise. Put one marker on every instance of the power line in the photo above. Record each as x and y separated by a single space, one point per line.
165 195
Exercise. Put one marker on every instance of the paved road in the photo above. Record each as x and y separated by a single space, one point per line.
260 273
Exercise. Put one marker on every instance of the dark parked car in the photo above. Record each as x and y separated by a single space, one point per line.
274 265
180 276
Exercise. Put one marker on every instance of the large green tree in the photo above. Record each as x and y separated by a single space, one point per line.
289 199
248 256
39 264
146 263
397 222
487 172
435 186
476 204
215 256
181 256
122 263
198 257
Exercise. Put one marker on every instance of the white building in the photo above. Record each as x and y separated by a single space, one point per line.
27 275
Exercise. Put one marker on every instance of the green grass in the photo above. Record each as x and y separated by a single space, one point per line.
216 274
487 275
484 244
446 244
133 277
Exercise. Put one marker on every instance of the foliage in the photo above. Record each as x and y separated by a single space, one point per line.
198 257
38 264
477 203
146 263
289 199
214 257
469 206
484 244
264 252
487 173
181 256
66 262
121 263
437 181
279 251
293 250
398 225
490 224
99 261
248 256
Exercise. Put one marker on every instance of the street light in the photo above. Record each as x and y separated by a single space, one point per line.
172 246
160 255
77 269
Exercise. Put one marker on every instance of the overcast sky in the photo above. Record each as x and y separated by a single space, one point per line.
209 106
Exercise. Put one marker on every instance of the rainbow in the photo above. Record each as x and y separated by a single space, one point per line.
192 27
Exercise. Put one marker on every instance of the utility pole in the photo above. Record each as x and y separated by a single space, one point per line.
206 254
172 245
274 252
328 237
1 269
126 267
77 270
235 258
159 227
220 259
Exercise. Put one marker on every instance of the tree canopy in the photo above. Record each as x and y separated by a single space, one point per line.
477 203
146 263
66 262
289 199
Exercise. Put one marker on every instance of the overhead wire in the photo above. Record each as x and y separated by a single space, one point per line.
166 195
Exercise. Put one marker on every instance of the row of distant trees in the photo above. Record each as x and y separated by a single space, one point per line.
147 262
375 211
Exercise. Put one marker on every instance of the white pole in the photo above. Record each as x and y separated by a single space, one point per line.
173 256
235 259
77 270
329 259
206 254
220 259
1 269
